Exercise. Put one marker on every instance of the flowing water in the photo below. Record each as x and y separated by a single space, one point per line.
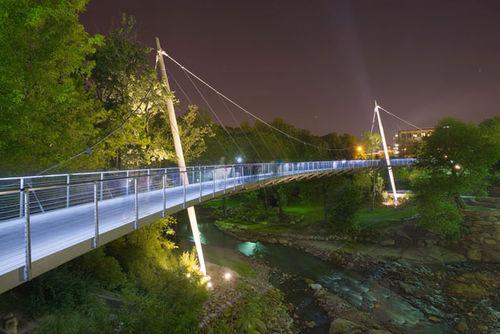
364 293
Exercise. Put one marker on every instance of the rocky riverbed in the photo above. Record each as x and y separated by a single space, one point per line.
450 292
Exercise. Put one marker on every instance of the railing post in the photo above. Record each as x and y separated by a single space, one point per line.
136 202
164 186
67 190
149 180
184 188
101 185
21 197
234 178
127 184
213 178
96 217
27 235
225 178
201 184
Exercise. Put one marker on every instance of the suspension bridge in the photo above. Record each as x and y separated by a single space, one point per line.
48 220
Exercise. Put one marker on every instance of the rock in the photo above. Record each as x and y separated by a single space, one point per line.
9 324
434 319
474 254
482 328
315 286
343 326
407 288
378 331
387 242
310 324
462 327
491 242
469 291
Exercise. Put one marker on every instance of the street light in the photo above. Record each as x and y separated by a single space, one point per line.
239 159
457 167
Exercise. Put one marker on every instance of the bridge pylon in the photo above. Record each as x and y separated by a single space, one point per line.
386 153
180 158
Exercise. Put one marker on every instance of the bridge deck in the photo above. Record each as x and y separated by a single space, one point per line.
57 233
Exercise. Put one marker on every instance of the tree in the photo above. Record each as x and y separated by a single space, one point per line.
490 129
132 96
344 200
46 110
455 160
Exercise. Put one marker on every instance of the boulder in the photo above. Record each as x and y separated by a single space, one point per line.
462 327
387 242
344 326
474 254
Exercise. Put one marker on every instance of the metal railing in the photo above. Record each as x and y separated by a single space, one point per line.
82 206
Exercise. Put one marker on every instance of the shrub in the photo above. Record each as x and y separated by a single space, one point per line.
344 201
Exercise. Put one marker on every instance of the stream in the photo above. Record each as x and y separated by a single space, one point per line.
363 293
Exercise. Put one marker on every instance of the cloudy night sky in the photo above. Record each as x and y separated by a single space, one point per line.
321 64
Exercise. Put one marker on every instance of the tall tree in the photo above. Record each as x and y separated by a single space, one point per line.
455 160
46 111
127 86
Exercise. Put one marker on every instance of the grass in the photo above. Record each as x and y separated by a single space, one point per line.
310 212
381 217
306 215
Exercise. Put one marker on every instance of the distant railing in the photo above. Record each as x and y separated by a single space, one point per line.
51 192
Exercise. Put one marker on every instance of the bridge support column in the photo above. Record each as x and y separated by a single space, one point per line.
180 157
386 154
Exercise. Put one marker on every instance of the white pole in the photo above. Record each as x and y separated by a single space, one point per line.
386 154
180 159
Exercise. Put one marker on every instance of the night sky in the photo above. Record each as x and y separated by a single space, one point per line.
321 64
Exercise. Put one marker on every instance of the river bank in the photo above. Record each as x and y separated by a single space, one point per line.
449 292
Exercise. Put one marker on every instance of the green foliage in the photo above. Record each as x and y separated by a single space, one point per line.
343 202
46 111
490 129
59 289
66 322
102 268
455 160
255 312
257 142
371 142
151 293
440 214
128 89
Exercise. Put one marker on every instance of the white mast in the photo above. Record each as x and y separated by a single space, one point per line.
386 153
180 160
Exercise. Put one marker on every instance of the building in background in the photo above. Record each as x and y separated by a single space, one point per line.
406 140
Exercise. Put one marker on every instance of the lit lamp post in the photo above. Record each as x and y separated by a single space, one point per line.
360 152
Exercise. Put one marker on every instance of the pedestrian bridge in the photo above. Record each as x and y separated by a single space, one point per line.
48 220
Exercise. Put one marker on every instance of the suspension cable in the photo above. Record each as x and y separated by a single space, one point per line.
215 114
401 119
89 149
242 108
243 131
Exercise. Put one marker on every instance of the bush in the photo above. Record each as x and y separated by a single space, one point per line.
344 201
255 312
440 214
